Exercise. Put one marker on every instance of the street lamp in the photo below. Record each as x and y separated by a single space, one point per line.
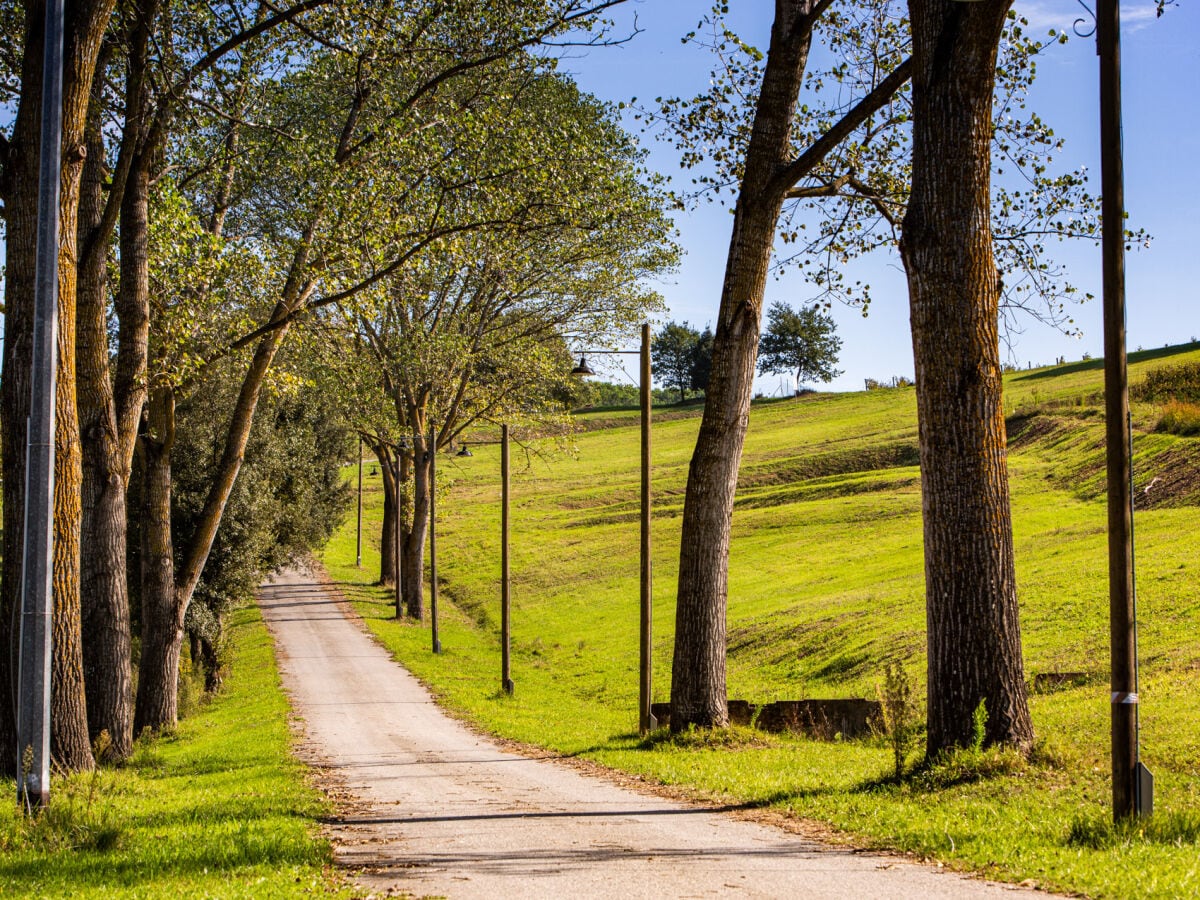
358 528
431 449
1133 785
506 682
646 720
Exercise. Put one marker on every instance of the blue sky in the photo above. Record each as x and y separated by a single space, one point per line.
1161 98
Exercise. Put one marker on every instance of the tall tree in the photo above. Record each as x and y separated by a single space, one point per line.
854 175
801 343
673 351
357 112
471 329
771 169
954 288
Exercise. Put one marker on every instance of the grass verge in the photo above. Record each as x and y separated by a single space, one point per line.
217 809
825 592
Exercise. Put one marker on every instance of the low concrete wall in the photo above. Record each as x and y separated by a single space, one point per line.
823 719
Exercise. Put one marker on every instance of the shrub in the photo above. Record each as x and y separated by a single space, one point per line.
1165 383
1180 417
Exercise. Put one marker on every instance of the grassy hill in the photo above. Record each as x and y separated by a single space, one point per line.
826 588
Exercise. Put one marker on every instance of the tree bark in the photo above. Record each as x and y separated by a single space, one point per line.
162 617
104 598
387 540
698 670
971 600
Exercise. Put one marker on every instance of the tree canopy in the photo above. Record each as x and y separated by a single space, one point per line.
800 342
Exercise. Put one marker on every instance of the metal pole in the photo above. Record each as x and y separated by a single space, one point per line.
433 584
646 721
505 668
358 530
400 527
1122 618
37 598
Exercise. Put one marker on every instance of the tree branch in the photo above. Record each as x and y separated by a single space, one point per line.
872 102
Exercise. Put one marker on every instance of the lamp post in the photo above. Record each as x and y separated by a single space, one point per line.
358 528
33 673
431 449
401 447
1133 786
506 682
1132 783
646 720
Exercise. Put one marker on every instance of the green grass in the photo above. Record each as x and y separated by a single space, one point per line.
217 809
826 589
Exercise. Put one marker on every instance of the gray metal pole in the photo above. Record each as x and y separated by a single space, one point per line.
505 668
646 721
1122 611
358 529
37 598
433 584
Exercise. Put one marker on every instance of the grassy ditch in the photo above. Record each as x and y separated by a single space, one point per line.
217 809
826 595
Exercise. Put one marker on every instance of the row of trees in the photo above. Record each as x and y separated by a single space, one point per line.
899 155
407 188
800 343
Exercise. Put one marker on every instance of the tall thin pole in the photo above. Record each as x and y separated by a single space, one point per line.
433 584
396 538
646 722
37 598
358 530
1122 610
505 669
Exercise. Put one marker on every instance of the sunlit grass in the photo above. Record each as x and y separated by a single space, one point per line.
218 809
826 587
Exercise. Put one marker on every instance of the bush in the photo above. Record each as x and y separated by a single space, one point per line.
1179 417
1166 383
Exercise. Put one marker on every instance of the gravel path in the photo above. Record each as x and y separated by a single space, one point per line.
430 808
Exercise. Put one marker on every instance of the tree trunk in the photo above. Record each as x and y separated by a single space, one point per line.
698 670
162 618
104 599
415 532
971 600
387 535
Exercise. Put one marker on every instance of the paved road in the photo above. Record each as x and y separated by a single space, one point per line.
430 808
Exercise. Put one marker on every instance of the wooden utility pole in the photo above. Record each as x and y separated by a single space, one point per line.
433 582
1130 788
506 682
646 722
358 529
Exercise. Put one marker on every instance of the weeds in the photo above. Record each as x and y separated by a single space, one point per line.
900 720
735 737
74 820
1180 417
1174 828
